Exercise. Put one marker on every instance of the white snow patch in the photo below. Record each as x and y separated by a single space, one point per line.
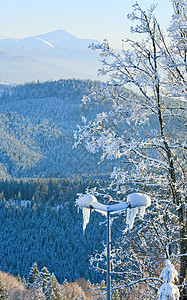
49 44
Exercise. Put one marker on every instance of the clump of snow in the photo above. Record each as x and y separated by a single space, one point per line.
169 273
138 202
86 201
168 290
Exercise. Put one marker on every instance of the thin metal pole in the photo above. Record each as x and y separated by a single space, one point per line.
108 257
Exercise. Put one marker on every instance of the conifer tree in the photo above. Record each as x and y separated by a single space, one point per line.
52 291
43 279
33 275
19 278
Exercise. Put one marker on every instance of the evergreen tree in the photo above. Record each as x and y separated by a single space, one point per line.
43 279
3 292
52 291
33 275
24 280
19 278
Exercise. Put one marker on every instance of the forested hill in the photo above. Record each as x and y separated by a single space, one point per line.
40 176
36 133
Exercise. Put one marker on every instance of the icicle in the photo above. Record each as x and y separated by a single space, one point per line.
138 202
142 211
86 217
131 214
85 202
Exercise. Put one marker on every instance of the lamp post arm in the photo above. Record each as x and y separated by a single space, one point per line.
118 207
111 208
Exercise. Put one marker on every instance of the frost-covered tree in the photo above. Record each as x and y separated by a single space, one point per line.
37 294
169 277
43 279
145 131
115 292
72 291
52 290
33 275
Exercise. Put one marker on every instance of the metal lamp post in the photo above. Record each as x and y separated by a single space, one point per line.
108 256
89 202
110 209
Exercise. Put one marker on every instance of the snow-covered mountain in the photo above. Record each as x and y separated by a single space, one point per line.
48 56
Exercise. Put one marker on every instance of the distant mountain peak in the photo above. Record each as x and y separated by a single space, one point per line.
57 33
60 36
57 54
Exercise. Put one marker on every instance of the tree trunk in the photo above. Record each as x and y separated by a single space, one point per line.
183 258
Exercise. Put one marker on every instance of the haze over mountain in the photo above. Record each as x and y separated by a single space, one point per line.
48 56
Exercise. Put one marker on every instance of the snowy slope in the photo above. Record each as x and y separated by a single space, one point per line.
36 133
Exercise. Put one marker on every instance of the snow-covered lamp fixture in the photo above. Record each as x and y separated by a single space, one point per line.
136 203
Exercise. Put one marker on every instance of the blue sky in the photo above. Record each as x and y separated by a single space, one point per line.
97 19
